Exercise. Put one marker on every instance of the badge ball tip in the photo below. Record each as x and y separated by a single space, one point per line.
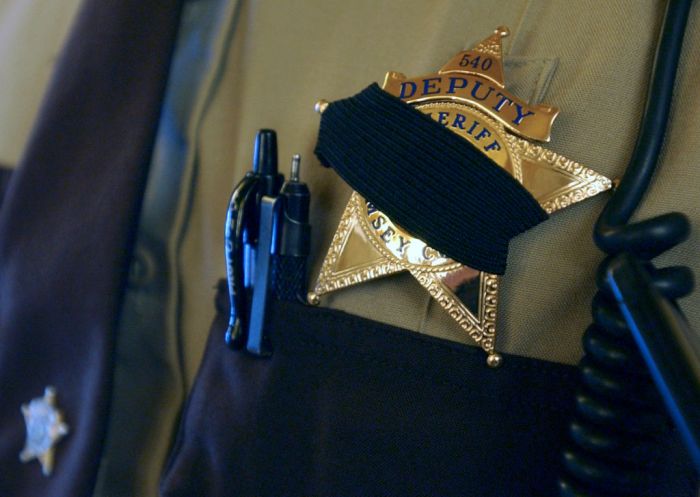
502 31
321 106
494 360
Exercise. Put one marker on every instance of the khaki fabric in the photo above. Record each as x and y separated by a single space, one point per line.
288 55
31 37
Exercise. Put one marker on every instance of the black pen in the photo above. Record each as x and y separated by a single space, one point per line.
295 242
242 231
282 251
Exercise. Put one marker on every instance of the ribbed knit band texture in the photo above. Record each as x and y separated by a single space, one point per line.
428 180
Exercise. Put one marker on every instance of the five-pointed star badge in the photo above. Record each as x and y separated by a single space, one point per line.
468 96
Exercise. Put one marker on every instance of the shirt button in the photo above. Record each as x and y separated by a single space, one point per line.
143 267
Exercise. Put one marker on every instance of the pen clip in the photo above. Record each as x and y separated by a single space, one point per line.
258 342
242 207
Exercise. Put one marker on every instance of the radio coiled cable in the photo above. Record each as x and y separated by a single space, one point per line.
619 421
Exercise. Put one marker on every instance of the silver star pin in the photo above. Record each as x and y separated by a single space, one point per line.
45 427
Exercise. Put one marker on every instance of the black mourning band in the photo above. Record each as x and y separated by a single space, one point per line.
428 180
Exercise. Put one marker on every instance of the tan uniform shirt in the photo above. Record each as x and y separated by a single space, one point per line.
285 57
273 60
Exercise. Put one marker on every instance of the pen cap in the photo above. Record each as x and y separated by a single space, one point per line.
265 152
265 162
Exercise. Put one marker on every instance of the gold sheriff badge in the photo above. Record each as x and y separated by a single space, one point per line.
468 97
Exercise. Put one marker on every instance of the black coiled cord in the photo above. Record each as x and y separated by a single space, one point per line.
619 421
